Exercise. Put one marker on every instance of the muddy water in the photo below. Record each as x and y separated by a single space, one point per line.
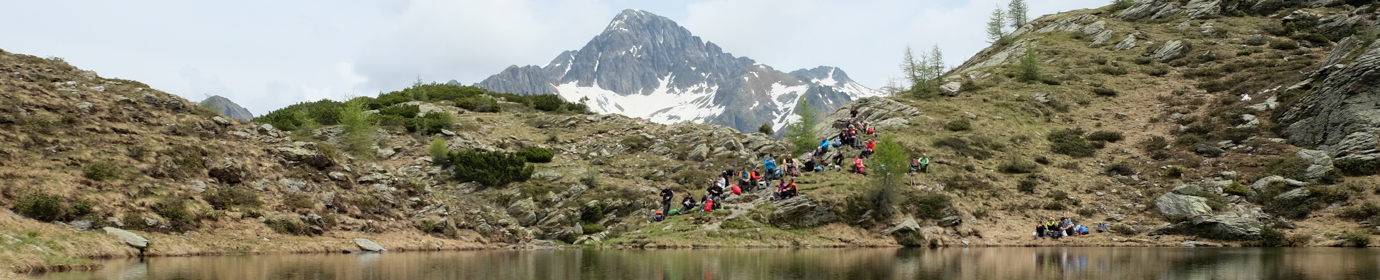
948 263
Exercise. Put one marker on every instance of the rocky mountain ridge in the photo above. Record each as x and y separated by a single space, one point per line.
645 65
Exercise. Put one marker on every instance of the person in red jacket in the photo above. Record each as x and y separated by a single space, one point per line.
859 167
871 144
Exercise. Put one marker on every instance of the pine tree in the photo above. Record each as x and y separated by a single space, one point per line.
802 132
1016 12
995 24
911 67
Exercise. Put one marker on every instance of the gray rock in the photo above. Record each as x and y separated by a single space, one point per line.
1170 50
386 153
367 245
1228 226
1102 37
294 184
198 186
1296 194
871 109
150 221
1340 52
1188 189
909 225
131 239
1172 204
1191 244
950 221
80 224
700 153
1067 24
338 176
115 221
951 88
1263 183
229 108
1095 28
1343 105
1152 9
1319 163
305 153
524 211
1115 217
802 212
1199 9
85 107
220 121
548 175
1128 43
1208 150
1229 175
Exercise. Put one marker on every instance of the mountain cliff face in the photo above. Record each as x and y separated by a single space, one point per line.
645 65
227 107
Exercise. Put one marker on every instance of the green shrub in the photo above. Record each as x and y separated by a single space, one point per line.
978 149
546 102
1315 38
492 169
1289 167
536 155
965 183
174 209
226 198
1358 239
1244 52
39 206
1108 136
291 118
358 128
1111 70
1042 160
927 205
765 129
285 226
1027 185
1158 71
1055 206
1105 92
1174 171
1284 45
1070 142
431 123
1357 167
439 152
959 125
1236 188
1124 229
101 171
405 111
1028 70
635 143
1018 166
1118 5
1270 237
591 228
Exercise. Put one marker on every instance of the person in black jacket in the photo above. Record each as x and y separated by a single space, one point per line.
687 204
666 195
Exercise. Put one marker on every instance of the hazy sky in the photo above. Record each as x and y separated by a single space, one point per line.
265 55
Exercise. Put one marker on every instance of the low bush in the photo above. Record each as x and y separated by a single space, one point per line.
1055 206
405 111
100 171
285 226
1124 229
39 206
547 102
976 149
439 152
1236 188
1111 70
1155 143
1027 185
228 197
492 169
174 209
295 201
1358 167
1359 239
1018 166
431 123
536 155
1158 71
1105 92
959 125
927 205
1289 167
1043 160
965 183
1108 136
635 143
765 129
1174 172
1070 142
1270 237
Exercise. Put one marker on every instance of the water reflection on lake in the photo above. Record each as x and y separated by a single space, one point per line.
946 263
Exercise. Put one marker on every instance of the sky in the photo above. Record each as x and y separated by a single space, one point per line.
266 55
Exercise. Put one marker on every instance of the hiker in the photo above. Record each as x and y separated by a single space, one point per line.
914 166
666 195
823 145
869 129
1066 226
925 163
1047 228
858 166
792 166
787 190
838 160
770 165
712 195
853 112
810 163
756 179
686 204
871 145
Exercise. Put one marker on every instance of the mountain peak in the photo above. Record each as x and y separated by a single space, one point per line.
631 19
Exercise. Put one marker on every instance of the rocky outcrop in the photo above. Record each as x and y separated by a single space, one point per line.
1343 113
1199 9
881 112
1228 226
802 212
1173 204
1170 50
227 107
1319 163
525 211
1151 9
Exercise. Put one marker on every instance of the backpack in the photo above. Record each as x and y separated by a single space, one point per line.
709 206
837 144
736 190
870 131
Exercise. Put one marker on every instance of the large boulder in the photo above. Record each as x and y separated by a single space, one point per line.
1199 9
1170 50
909 225
875 110
1345 104
131 239
1208 150
525 211
367 245
700 153
1173 204
802 212
1319 163
1151 9
1228 226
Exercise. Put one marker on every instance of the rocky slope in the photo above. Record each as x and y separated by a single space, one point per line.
226 107
645 65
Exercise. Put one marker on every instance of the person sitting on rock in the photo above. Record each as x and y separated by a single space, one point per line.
770 165
666 195
810 163
787 190
1066 227
823 145
871 145
838 160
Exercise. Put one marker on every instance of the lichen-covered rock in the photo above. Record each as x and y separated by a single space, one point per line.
1228 226
367 245
130 238
802 212
1169 51
525 211
1345 104
1173 204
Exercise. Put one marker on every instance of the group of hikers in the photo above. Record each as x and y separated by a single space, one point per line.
1063 228
783 173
